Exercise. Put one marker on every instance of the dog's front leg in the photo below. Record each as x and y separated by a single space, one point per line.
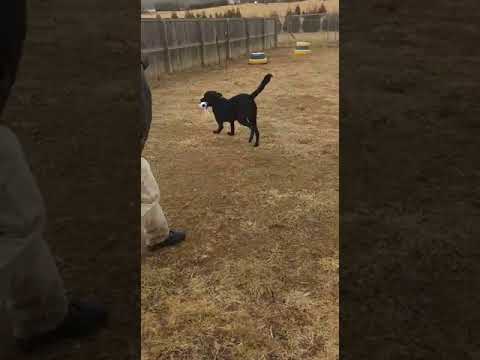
232 129
220 128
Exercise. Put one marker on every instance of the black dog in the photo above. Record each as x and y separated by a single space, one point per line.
241 107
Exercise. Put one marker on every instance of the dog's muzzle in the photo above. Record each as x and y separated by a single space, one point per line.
203 105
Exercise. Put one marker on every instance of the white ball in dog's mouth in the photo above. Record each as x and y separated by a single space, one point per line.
203 105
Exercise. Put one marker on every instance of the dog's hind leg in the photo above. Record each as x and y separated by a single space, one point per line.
220 128
254 129
257 136
246 122
232 129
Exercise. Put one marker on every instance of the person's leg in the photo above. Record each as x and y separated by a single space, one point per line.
155 230
155 226
36 298
29 279
36 303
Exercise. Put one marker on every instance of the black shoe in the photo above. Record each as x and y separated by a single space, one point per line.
174 238
82 319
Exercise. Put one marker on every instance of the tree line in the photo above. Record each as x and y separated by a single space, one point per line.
292 23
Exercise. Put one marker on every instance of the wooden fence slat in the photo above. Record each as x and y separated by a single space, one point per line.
275 33
216 42
202 41
227 38
264 32
168 59
247 35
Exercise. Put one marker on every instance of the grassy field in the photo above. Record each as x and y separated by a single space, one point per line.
257 277
252 10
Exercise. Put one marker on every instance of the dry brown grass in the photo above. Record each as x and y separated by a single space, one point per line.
261 10
258 276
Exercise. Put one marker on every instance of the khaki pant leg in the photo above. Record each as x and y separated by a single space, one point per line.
154 224
35 295
156 227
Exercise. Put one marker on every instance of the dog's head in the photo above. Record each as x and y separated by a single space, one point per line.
210 98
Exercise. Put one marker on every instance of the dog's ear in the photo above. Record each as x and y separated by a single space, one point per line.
217 94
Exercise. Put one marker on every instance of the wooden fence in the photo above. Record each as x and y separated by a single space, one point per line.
178 44
327 22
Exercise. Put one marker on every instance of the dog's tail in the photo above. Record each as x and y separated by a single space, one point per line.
262 85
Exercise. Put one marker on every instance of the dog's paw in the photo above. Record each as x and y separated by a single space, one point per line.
230 133
215 131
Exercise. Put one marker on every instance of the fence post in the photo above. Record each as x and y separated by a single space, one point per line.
166 49
325 33
328 28
202 41
216 42
264 33
227 39
275 23
247 34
